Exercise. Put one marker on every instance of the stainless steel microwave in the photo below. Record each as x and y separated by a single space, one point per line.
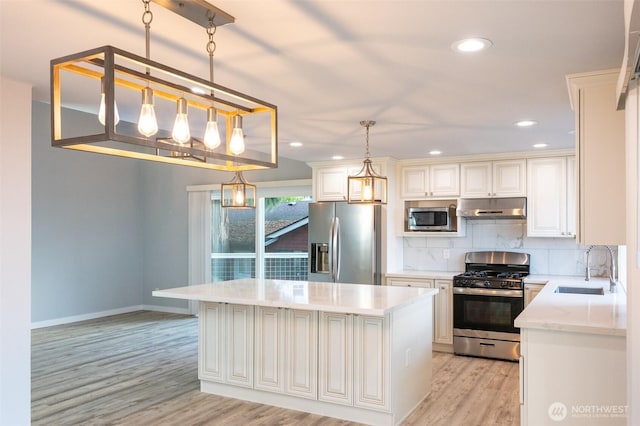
442 218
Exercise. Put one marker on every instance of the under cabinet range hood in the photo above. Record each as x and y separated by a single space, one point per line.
492 208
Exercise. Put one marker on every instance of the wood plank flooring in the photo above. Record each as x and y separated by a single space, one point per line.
141 369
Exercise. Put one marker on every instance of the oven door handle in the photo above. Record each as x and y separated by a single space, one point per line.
488 292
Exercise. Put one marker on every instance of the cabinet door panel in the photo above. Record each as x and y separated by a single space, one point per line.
415 181
428 283
509 178
269 354
240 341
443 321
371 362
211 339
571 197
531 291
444 180
600 160
302 352
476 180
547 197
331 184
336 358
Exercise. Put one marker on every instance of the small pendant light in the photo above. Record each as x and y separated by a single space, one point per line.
367 187
238 193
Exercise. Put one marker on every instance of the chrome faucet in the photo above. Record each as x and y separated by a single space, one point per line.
612 269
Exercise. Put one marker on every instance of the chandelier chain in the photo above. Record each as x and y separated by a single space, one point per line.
147 17
367 153
367 124
211 47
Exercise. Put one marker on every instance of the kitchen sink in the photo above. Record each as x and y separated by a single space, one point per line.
580 290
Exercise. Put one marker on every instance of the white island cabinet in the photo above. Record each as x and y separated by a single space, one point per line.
573 356
351 351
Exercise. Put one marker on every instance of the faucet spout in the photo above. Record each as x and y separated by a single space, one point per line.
613 280
587 272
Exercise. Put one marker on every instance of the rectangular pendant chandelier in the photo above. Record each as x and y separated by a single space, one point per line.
122 78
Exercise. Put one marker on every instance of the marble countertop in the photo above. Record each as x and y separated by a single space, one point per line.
306 295
436 275
579 313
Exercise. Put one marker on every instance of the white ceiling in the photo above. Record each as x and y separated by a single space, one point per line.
329 64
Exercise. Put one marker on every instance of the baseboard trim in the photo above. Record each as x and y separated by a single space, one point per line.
108 313
167 309
443 347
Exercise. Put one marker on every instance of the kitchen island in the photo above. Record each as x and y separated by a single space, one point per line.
351 351
573 355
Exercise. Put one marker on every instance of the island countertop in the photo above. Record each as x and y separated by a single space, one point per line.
579 313
306 295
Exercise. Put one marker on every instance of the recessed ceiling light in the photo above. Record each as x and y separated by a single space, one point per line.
198 90
337 157
295 144
469 45
540 145
526 123
435 152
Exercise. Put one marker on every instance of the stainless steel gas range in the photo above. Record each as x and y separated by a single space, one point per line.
487 298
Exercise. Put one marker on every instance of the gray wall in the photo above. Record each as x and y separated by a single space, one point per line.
87 244
107 230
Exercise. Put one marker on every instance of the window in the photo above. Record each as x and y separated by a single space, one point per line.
233 242
267 242
286 226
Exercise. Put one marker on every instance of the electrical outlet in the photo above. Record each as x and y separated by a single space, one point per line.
406 357
446 253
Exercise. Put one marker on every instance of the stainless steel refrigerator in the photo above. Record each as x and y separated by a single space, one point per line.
344 243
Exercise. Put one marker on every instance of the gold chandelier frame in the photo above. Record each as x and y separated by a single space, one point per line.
121 71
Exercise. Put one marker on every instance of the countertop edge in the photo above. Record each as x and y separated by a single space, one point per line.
311 306
548 311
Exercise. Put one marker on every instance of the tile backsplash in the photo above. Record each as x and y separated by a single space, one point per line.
549 256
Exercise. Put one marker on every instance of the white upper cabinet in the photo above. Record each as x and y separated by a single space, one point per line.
550 197
506 178
600 159
330 183
437 180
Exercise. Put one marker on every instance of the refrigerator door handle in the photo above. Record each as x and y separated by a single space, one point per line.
332 250
336 249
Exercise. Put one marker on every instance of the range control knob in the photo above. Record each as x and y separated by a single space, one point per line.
505 284
487 283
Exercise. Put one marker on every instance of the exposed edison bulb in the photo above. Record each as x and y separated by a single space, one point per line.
367 190
181 132
103 107
238 197
147 123
211 133
236 144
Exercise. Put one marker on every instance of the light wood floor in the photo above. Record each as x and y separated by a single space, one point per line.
141 369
